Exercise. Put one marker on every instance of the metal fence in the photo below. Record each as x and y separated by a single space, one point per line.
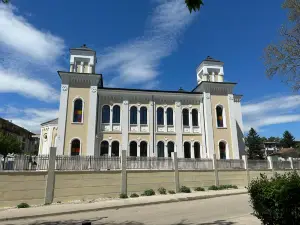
230 164
25 162
150 163
258 164
195 164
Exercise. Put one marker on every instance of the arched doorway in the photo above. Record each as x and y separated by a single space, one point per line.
143 149
160 149
187 150
133 148
104 148
222 149
75 147
115 148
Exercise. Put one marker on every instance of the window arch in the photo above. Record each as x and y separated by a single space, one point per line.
133 148
187 150
78 111
143 115
160 116
115 148
185 117
170 116
195 121
104 148
143 149
75 147
106 114
170 148
133 115
222 149
116 114
197 150
160 149
220 116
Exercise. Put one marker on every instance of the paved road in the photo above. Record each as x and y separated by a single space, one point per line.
230 210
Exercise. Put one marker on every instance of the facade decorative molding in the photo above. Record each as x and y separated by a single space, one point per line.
94 89
64 87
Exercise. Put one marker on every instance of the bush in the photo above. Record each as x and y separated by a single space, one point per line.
172 192
185 189
276 200
199 189
162 191
134 195
222 187
149 192
23 205
213 187
123 196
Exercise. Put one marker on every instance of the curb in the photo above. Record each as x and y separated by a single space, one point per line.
180 199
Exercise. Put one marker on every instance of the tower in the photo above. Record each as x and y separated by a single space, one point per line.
210 70
82 60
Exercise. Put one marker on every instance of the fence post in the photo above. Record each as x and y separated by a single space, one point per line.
176 172
215 167
270 160
292 162
246 168
124 172
50 183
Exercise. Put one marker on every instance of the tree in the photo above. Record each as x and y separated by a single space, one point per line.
274 139
288 140
193 4
9 144
283 58
253 142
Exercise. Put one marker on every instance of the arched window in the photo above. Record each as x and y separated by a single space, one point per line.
160 149
133 148
115 148
133 115
222 149
185 117
78 111
143 149
105 114
75 147
197 150
104 148
116 114
170 148
187 150
195 117
143 115
160 116
169 116
220 119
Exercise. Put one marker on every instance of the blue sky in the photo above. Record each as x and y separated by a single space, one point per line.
152 44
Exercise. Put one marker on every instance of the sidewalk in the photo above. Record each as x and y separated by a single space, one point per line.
53 210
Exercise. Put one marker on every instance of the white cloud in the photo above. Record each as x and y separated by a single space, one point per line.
22 37
137 61
276 110
30 118
13 82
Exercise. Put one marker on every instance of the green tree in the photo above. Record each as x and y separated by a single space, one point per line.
193 4
288 140
9 144
254 143
283 58
274 139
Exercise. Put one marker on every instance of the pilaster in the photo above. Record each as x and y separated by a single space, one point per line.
178 129
233 130
202 126
124 125
92 121
210 148
151 128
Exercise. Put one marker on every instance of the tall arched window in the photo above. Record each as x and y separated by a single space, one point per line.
78 111
185 117
170 148
187 150
104 148
169 116
133 115
160 149
133 148
220 119
75 147
160 116
105 114
222 149
197 150
195 117
143 115
143 149
116 114
115 148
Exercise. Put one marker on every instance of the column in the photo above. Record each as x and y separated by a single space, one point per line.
62 118
192 150
202 131
210 148
178 129
72 67
139 149
92 120
151 125
190 119
166 150
235 146
139 119
124 125
109 149
165 119
81 67
111 118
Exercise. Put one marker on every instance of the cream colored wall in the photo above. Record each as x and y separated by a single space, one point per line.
108 136
238 178
86 185
162 137
135 137
194 179
190 137
221 133
17 187
77 130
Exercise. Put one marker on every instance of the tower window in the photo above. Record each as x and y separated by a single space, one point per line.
220 119
77 114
